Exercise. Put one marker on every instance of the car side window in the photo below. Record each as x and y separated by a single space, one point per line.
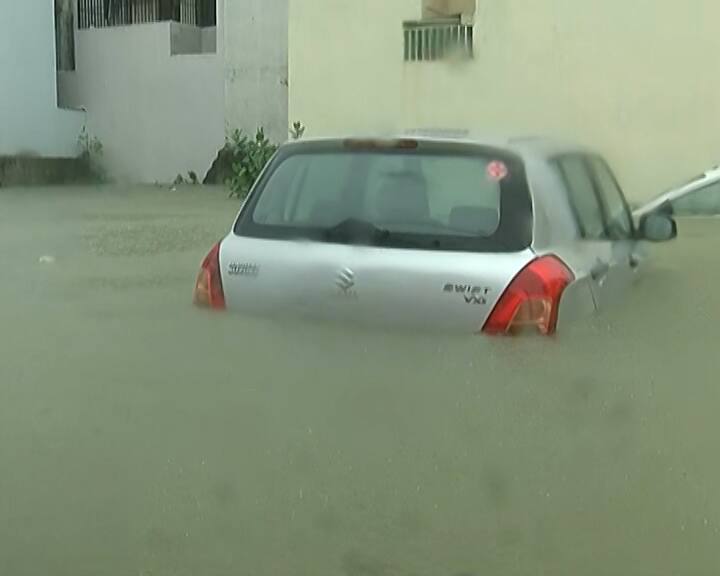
704 201
582 196
619 221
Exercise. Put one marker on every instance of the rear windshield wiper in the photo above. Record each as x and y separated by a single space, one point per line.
362 232
356 231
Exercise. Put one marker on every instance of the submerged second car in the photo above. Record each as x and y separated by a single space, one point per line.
496 237
698 197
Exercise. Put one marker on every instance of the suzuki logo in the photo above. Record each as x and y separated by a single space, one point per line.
345 280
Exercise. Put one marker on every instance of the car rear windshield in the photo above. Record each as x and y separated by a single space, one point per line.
405 196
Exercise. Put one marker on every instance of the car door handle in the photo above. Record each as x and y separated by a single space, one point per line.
600 271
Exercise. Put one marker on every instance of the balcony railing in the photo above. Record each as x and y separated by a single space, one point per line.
106 13
427 40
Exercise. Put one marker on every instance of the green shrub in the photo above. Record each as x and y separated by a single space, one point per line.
249 158
91 153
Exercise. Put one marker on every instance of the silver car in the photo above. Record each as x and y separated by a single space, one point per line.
699 197
494 237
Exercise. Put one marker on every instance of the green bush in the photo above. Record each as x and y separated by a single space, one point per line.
91 154
249 158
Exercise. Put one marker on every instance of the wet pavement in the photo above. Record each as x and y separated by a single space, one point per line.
140 436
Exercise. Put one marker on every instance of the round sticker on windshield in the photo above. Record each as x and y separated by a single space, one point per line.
497 171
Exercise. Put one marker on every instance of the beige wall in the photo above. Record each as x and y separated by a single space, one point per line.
636 81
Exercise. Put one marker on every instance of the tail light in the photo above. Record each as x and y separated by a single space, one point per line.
532 300
208 292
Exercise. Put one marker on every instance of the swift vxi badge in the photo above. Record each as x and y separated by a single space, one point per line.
476 295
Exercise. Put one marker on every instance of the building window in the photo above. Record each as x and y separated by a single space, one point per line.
438 39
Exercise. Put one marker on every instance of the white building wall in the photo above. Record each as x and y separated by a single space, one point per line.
30 122
256 66
157 115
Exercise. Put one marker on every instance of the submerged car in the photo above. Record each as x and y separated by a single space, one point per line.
493 237
699 197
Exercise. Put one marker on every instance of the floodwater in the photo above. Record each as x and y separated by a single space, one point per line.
139 436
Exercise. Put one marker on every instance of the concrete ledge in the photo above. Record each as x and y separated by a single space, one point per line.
35 171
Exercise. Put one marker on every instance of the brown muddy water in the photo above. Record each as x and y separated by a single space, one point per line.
139 436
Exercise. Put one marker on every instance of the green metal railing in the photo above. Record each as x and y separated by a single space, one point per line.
429 40
106 13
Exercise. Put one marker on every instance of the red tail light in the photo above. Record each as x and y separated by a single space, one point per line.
208 292
532 300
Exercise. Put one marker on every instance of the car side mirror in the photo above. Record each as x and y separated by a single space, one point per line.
657 227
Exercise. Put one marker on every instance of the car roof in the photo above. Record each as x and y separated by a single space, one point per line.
539 147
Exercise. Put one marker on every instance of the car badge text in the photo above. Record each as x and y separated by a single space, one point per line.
472 294
243 269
